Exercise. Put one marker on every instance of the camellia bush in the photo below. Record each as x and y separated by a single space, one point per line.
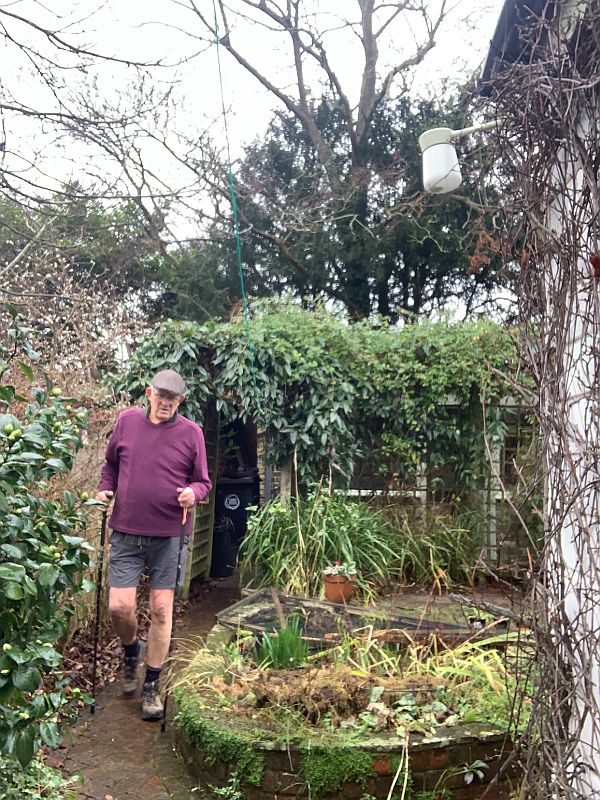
43 558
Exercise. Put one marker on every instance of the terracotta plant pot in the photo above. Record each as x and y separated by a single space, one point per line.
338 588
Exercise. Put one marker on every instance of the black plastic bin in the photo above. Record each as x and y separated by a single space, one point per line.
223 559
232 498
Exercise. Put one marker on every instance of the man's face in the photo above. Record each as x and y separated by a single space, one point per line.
162 404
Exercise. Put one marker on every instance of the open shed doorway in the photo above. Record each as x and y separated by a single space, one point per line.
238 479
219 526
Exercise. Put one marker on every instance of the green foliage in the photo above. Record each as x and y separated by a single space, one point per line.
426 384
333 392
288 547
475 682
346 570
405 715
482 683
231 791
285 649
182 346
478 681
327 769
435 548
470 772
364 243
300 385
42 563
37 781
471 683
198 281
99 243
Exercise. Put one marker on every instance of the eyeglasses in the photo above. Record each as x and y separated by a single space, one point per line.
166 396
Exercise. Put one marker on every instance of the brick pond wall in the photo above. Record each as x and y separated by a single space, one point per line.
365 771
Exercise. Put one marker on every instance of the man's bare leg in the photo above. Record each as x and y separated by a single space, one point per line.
159 638
123 613
159 635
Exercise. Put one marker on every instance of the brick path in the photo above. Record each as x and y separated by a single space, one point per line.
124 758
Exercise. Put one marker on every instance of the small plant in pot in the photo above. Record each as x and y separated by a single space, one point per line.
339 579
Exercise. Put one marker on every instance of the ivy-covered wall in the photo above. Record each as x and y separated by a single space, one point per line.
337 392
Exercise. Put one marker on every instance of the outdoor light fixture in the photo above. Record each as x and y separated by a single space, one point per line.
441 170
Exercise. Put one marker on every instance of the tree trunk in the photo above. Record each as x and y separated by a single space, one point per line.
355 255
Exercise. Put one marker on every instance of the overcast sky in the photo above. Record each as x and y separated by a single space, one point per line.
167 30
149 29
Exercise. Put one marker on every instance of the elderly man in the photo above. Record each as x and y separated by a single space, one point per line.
155 467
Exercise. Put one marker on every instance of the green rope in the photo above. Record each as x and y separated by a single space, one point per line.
238 246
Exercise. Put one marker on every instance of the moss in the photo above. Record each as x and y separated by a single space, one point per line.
327 769
217 744
395 761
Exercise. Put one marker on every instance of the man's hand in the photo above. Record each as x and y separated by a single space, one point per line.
105 497
187 498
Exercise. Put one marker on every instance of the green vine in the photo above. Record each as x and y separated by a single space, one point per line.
334 392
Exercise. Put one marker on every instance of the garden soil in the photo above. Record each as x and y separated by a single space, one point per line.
123 758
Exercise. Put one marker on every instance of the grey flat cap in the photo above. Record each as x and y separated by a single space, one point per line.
167 380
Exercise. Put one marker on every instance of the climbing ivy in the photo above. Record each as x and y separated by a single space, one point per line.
335 392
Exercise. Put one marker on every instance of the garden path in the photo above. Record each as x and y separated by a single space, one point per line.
120 756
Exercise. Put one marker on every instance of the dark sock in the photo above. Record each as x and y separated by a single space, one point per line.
132 650
152 675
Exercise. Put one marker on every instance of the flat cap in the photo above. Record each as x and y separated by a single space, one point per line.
167 380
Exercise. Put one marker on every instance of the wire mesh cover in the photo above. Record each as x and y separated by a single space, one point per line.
326 621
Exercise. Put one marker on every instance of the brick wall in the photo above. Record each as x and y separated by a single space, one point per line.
435 763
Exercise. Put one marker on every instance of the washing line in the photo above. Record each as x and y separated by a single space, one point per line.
236 227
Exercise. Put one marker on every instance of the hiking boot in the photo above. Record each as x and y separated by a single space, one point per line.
152 705
130 670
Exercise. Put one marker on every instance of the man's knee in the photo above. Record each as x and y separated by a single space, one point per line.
121 605
161 607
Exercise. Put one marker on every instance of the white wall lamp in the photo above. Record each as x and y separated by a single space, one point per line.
441 170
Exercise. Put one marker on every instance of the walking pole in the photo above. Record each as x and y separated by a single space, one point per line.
98 605
163 724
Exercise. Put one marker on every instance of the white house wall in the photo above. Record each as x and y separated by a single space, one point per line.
571 406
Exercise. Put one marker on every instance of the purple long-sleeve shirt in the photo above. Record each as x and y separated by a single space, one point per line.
145 463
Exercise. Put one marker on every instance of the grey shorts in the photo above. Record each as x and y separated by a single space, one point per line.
129 555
